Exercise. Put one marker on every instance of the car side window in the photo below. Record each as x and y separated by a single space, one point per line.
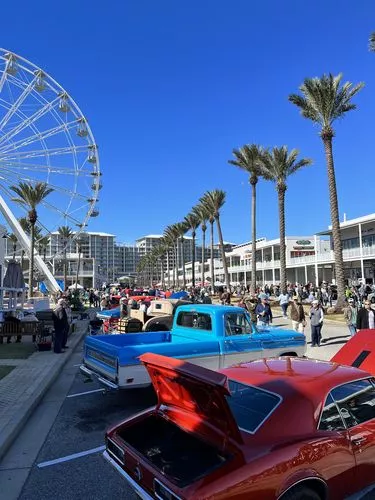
331 419
237 324
200 321
356 401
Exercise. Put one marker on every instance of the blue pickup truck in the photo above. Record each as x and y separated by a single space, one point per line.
212 336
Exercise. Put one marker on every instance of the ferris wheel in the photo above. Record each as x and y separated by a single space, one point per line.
44 137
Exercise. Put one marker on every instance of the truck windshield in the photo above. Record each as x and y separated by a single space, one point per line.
251 406
237 324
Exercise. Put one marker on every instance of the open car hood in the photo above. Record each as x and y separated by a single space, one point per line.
194 389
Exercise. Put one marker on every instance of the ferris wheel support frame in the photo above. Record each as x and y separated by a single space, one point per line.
51 283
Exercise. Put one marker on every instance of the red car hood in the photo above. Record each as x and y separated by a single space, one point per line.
193 389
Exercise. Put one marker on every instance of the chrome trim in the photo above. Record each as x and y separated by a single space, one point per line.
90 373
309 478
113 454
136 487
166 488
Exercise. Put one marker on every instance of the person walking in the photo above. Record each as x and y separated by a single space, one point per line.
264 313
284 298
366 317
60 323
316 322
297 315
350 316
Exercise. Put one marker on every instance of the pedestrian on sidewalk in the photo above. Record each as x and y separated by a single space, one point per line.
316 322
297 315
366 317
284 298
60 323
350 315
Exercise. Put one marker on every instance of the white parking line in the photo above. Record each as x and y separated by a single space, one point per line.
70 457
75 366
83 393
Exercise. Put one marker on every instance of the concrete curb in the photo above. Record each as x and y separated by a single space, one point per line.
11 430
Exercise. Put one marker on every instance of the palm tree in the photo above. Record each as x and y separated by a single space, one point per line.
171 237
24 223
372 42
214 201
181 228
43 243
192 223
277 165
323 101
30 196
201 213
66 234
247 158
13 240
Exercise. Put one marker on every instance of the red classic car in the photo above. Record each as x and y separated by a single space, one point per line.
280 428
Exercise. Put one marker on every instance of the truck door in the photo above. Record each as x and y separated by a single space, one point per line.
239 344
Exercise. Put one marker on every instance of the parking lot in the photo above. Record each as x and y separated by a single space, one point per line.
59 454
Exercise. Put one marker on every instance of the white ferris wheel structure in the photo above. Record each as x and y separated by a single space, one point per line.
44 137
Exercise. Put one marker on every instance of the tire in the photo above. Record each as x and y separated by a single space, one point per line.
301 493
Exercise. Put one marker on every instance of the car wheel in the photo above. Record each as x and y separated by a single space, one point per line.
301 493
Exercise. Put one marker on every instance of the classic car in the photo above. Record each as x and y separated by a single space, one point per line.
281 428
214 336
159 316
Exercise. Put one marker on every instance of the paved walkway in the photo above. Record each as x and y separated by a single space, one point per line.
23 388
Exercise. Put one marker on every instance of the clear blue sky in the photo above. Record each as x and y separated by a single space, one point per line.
171 87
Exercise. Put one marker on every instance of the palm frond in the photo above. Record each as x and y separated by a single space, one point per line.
277 165
323 100
372 42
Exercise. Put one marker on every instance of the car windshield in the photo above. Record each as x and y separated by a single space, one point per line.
250 405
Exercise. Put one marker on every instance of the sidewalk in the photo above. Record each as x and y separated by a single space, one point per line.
24 387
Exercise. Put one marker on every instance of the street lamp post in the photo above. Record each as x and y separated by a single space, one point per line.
79 243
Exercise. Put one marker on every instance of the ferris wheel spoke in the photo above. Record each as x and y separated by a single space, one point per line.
10 176
64 127
42 153
27 90
44 168
62 213
33 118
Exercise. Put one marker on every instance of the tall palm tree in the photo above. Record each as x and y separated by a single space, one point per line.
66 234
30 196
277 165
248 158
214 201
12 238
24 223
192 223
170 237
324 100
43 243
181 228
372 42
202 215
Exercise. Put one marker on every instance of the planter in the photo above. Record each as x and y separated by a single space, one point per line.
44 346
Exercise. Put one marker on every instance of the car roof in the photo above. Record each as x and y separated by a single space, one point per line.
213 308
303 385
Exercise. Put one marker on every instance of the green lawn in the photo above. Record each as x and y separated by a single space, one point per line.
4 370
16 351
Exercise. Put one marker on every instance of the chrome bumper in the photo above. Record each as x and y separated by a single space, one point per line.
138 489
91 374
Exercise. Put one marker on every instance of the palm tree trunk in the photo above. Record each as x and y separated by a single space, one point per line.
168 269
22 259
203 254
183 264
281 199
175 265
253 237
336 233
221 241
78 265
212 257
65 271
14 251
162 273
193 260
31 261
